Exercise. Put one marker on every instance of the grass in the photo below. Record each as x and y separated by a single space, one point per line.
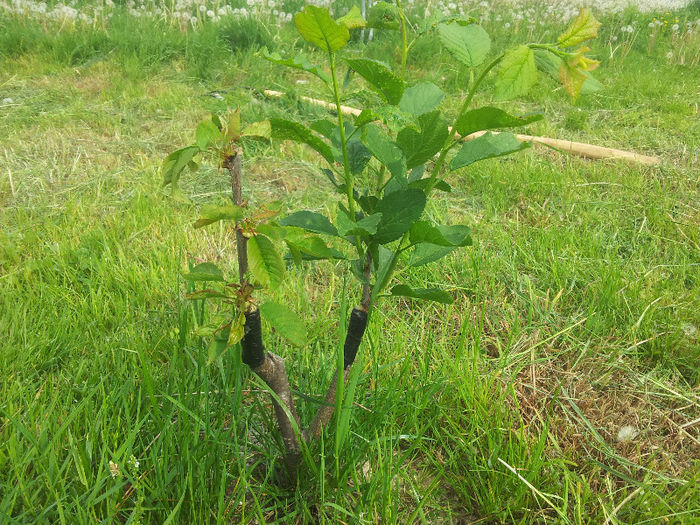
576 311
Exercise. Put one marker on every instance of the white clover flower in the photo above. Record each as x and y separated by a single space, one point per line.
675 27
506 25
210 13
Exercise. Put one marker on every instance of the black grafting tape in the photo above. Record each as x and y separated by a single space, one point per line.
356 329
252 345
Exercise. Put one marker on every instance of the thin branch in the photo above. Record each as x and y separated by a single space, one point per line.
233 164
267 366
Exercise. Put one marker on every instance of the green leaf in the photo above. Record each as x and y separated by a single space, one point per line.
204 272
385 150
266 265
285 321
457 235
206 133
353 19
218 344
423 184
384 15
310 221
425 253
380 78
213 326
487 146
233 127
491 118
237 330
298 62
176 162
290 130
211 213
258 130
358 155
516 74
468 43
572 79
421 146
584 27
426 294
308 245
316 26
364 227
421 98
550 64
399 210
366 117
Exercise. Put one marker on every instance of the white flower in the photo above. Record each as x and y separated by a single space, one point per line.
210 13
506 25
114 470
626 433
674 27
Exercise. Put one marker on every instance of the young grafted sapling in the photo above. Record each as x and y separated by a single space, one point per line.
385 165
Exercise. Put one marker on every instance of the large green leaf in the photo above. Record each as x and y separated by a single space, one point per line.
487 146
207 132
399 210
425 253
204 272
258 130
516 74
211 213
176 162
385 150
308 246
421 146
316 26
421 98
290 130
298 62
383 15
456 235
468 43
380 77
310 221
364 227
491 118
584 27
353 19
426 294
265 263
358 156
285 321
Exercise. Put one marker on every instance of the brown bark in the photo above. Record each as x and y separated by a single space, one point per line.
273 372
233 164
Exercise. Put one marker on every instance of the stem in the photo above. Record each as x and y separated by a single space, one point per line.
478 82
443 153
233 164
404 38
343 142
267 366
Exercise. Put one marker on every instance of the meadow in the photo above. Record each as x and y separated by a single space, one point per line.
561 386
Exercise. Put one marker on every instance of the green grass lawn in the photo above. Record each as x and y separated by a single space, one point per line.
577 309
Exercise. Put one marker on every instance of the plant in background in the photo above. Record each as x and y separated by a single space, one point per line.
385 164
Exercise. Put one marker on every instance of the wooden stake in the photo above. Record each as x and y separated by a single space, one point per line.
589 151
